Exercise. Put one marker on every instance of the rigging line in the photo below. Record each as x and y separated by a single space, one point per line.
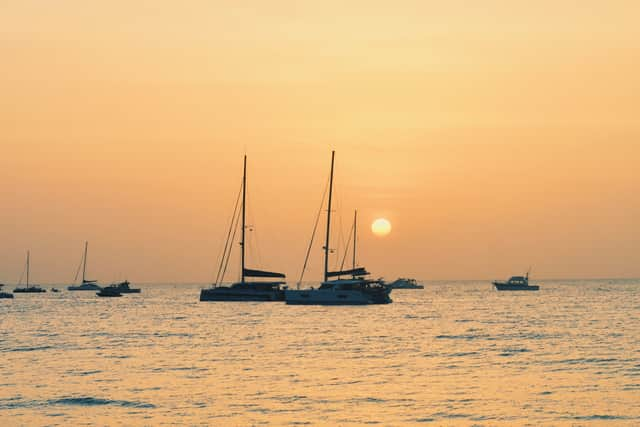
254 243
227 244
346 249
313 234
24 269
79 267
233 237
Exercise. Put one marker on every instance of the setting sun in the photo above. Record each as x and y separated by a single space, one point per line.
381 227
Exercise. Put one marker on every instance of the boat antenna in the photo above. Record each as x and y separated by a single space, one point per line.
326 245
528 271
244 199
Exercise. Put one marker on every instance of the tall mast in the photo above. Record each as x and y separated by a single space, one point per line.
355 231
326 244
244 198
84 263
27 269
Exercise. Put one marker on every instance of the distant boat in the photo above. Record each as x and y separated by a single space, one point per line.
109 291
244 290
516 283
355 290
86 285
55 290
4 294
28 289
404 283
124 288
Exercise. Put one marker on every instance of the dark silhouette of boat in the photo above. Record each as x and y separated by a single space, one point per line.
55 290
244 290
516 283
86 285
124 288
354 290
109 291
4 294
28 289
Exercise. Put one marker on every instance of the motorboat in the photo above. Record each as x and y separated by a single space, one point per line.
4 294
109 291
405 283
515 283
124 288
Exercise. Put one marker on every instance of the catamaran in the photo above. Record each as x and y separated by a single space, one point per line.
244 290
86 285
28 289
353 290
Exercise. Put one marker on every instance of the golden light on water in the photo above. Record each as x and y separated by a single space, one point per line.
381 227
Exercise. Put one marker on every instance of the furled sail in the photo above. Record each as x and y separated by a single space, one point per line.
259 273
360 271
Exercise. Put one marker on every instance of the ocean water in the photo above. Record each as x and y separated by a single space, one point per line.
455 353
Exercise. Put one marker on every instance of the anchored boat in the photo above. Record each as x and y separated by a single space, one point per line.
4 294
516 283
272 290
109 291
28 289
86 285
355 289
404 283
124 288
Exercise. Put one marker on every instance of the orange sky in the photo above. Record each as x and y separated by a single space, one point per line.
493 136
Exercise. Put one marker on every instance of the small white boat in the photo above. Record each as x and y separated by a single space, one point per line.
405 283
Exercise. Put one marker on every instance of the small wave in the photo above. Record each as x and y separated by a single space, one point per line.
94 401
599 417
44 347
462 337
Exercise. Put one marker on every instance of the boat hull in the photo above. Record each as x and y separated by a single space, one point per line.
509 287
334 297
108 294
407 287
84 288
231 294
29 290
6 295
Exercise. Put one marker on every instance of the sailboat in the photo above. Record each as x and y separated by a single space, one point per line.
354 290
86 285
30 289
244 290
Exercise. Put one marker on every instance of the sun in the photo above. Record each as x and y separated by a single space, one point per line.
381 227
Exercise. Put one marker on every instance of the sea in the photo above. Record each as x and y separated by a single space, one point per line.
455 353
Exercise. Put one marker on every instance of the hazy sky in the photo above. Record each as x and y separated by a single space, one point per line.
494 135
